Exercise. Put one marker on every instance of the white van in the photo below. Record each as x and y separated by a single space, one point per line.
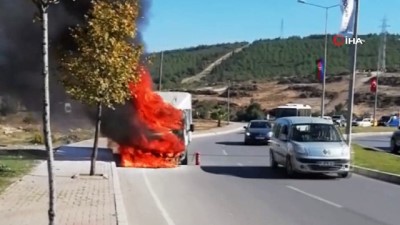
309 145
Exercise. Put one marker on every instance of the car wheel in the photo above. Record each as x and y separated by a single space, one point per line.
272 161
289 167
344 175
393 147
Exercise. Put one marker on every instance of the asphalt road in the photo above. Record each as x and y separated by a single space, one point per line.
376 141
235 186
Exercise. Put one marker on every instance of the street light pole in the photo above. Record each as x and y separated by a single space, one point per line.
325 63
325 50
229 101
350 101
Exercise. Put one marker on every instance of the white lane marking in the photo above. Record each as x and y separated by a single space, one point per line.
239 164
224 152
314 196
157 201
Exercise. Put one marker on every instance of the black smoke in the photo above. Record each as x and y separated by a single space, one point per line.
20 53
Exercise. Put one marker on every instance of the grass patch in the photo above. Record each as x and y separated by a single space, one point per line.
14 165
368 129
371 159
33 136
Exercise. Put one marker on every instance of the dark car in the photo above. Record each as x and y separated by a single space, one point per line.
395 142
257 131
383 121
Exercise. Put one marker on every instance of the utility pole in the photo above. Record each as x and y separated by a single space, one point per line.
353 64
324 64
281 36
161 71
229 101
325 50
381 63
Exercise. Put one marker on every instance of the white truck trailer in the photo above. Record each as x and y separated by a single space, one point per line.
183 102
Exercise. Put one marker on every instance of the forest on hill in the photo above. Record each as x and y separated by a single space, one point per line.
182 63
273 58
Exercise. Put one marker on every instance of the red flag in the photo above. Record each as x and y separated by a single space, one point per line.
373 85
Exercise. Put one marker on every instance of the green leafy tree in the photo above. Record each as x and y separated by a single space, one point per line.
219 114
42 16
100 70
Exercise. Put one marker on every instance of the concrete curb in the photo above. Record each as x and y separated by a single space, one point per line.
373 148
376 174
121 216
207 134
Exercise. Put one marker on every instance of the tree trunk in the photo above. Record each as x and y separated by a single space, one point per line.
46 115
96 141
219 123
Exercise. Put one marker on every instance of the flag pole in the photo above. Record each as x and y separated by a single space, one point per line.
353 64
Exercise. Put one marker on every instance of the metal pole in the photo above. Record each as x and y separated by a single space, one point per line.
376 96
161 71
325 64
350 101
228 101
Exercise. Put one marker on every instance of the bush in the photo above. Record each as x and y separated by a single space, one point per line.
38 138
252 112
29 119
8 106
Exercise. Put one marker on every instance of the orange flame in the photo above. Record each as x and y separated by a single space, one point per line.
162 119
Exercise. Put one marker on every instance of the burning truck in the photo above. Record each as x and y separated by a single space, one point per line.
168 118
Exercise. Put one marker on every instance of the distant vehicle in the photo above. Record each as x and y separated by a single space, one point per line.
383 121
309 145
393 122
339 120
362 122
395 141
328 118
257 131
292 109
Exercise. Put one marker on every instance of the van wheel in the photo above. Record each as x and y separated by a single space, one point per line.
289 168
272 161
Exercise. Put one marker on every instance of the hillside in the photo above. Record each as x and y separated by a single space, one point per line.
270 94
183 63
271 58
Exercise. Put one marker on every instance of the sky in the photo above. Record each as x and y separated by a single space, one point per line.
175 24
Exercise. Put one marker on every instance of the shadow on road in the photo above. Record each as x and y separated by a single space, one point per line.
259 172
67 153
229 143
238 143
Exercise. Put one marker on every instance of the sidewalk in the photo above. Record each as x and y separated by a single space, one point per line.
84 200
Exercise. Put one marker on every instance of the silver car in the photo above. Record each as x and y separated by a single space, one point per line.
309 145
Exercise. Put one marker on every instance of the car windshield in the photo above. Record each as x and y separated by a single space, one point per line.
315 133
335 117
259 124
